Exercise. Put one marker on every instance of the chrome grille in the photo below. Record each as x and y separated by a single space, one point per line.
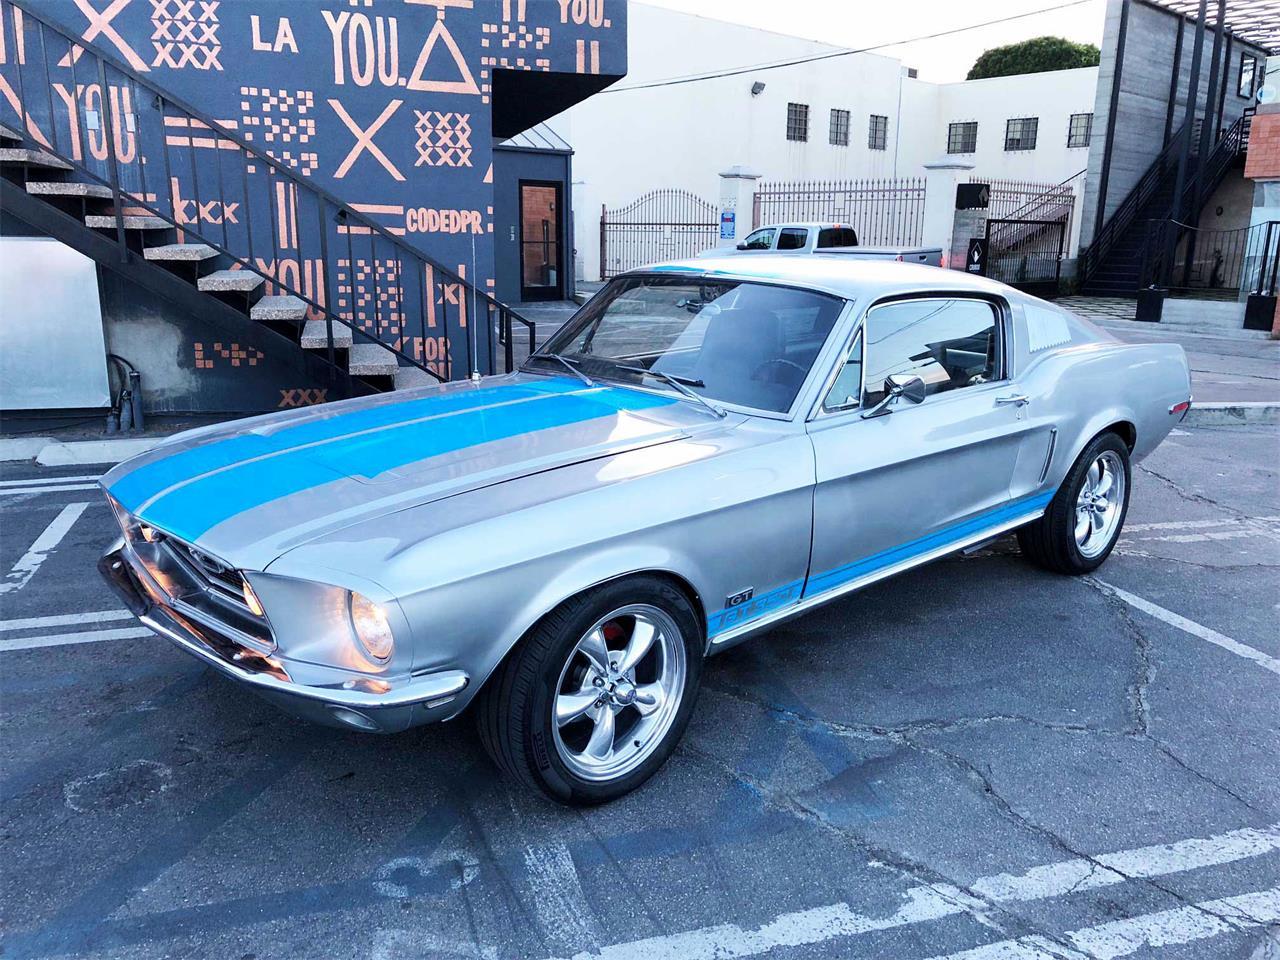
209 569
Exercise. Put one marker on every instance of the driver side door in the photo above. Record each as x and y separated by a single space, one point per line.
895 489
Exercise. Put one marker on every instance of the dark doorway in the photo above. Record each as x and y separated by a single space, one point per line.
541 249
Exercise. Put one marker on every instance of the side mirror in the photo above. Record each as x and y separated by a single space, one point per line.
909 388
898 386
742 246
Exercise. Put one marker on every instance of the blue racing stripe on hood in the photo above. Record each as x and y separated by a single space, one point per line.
137 487
193 508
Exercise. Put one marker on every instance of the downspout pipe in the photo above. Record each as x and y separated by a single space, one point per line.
1100 214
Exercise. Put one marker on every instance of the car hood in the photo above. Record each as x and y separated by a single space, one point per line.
247 492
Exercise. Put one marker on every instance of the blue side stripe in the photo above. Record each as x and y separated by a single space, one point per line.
194 508
753 608
135 488
913 548
757 607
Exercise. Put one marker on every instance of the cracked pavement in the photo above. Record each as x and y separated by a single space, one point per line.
975 759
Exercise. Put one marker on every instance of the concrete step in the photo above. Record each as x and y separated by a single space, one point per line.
32 158
230 281
108 222
409 378
315 335
188 252
67 188
372 360
279 308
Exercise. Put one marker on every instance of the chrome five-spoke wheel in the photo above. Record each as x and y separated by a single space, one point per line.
1099 504
619 692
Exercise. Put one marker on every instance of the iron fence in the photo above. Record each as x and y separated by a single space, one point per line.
666 224
1228 262
1027 200
883 212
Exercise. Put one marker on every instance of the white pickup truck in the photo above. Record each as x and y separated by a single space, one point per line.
823 238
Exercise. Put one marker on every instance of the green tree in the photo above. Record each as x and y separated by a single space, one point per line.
1034 56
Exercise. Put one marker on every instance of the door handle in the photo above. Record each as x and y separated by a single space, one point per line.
1020 399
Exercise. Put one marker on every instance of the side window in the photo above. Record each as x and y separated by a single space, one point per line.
847 388
792 238
837 237
760 240
949 344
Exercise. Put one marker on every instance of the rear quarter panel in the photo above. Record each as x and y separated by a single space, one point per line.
1092 381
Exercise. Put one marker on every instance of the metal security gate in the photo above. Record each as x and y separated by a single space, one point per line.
661 225
883 212
1026 254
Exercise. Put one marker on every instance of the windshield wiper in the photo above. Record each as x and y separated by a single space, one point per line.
570 365
679 384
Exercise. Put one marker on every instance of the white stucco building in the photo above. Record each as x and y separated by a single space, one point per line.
847 116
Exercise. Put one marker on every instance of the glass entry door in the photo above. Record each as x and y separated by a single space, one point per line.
541 268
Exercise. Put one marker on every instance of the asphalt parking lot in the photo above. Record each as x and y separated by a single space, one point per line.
973 761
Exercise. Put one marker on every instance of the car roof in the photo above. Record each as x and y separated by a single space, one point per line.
841 275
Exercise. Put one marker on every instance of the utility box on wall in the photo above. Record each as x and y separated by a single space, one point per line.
52 352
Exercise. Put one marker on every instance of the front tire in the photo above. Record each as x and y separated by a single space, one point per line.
593 700
1083 522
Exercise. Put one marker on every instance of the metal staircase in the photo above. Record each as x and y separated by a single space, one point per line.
1113 265
100 180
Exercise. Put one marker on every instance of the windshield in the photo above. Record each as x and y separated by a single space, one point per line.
743 343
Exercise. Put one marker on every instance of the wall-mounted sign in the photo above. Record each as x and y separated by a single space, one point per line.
976 261
973 196
728 224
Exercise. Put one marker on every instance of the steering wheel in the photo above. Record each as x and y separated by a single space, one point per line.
779 361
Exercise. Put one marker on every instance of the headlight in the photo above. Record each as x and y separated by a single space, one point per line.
369 624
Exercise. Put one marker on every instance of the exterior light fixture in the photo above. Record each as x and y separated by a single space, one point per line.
757 88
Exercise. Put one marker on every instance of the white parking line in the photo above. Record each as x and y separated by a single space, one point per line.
17 491
1263 660
38 481
62 639
30 561
64 620
819 924
1122 938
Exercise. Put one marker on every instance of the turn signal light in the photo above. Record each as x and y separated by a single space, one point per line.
251 599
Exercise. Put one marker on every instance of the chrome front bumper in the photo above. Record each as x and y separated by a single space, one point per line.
328 695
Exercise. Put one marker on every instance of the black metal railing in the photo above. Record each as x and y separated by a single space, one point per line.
1227 262
1094 255
162 157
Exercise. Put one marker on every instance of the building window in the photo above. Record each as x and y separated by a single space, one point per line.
878 132
962 137
840 127
1080 130
798 121
1248 70
1020 134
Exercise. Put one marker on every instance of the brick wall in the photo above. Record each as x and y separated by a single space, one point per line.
1263 161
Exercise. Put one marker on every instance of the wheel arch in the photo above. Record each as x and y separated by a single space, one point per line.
548 606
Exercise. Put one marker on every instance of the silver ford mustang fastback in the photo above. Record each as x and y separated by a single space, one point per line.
704 449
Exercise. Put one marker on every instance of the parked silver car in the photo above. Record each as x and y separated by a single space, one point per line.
706 448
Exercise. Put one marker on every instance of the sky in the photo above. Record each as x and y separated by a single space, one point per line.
862 23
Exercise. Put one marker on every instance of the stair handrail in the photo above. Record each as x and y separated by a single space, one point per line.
505 313
1125 214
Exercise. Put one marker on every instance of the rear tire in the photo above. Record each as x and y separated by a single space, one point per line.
594 698
1083 522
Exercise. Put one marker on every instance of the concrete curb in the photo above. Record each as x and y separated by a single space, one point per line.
1233 414
49 452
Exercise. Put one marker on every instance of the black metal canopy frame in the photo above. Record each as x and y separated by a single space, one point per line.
1254 21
